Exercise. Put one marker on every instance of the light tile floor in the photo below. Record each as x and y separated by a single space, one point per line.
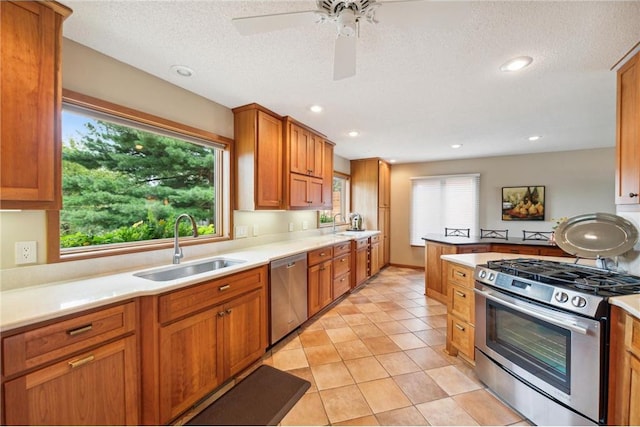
377 358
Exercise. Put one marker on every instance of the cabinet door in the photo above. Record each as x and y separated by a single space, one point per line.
362 265
30 106
99 387
628 133
634 391
374 261
320 284
384 175
298 147
315 155
327 176
304 192
245 337
190 361
269 162
384 225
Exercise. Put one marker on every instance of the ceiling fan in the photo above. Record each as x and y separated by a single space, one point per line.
345 14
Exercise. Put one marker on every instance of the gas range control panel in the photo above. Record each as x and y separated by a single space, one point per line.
564 299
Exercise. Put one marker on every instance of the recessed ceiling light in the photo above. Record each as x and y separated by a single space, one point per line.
534 137
316 108
456 146
516 64
392 161
182 70
354 133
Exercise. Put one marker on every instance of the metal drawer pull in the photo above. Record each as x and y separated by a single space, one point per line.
460 274
343 260
633 195
322 254
460 294
291 264
220 313
229 311
79 362
224 287
80 330
461 328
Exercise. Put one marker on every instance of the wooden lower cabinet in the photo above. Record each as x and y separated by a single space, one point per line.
624 369
204 335
99 387
374 256
361 261
341 269
320 286
435 281
460 310
80 370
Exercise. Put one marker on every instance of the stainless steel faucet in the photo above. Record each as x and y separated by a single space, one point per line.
334 221
177 250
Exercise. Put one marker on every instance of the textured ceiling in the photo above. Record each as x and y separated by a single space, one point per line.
427 74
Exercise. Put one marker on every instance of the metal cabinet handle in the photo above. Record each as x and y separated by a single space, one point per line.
224 287
220 313
343 260
228 311
461 328
80 330
461 274
460 294
79 362
633 195
322 254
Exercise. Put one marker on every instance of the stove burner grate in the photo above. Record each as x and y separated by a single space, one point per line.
579 277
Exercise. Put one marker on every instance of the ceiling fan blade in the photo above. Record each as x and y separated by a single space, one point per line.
344 61
265 23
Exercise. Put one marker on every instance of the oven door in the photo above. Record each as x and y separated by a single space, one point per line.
558 353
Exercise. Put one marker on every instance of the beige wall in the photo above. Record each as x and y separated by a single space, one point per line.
94 74
576 182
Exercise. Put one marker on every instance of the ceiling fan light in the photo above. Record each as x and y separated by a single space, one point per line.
346 23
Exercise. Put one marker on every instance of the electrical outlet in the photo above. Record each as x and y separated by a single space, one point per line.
26 252
290 226
241 231
305 225
255 230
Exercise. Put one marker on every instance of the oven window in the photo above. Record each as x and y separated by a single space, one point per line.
542 349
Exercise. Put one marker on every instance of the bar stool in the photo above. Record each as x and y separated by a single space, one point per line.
458 232
536 235
496 234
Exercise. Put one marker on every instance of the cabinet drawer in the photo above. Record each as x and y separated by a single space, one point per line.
341 265
462 335
38 346
632 340
461 303
472 249
341 285
460 275
319 255
517 249
181 303
375 239
362 243
342 248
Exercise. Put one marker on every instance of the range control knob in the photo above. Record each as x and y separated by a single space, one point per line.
578 301
562 297
492 276
483 274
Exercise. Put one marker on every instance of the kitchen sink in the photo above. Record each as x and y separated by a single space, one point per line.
180 271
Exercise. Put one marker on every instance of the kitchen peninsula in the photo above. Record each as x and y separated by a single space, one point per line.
439 244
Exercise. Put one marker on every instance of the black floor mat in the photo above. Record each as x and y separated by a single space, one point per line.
261 399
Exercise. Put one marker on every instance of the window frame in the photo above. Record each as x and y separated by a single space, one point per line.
223 195
343 215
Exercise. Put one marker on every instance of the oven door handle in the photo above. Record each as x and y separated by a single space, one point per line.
554 321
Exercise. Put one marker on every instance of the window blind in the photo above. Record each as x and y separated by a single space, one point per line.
437 202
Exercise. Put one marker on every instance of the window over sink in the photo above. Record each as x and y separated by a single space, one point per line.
126 178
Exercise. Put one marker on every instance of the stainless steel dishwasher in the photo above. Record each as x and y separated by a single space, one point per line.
288 295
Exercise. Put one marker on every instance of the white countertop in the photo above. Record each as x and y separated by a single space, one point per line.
630 303
25 306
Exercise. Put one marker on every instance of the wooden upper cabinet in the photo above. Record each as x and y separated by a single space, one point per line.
628 133
306 150
327 176
259 160
384 182
30 105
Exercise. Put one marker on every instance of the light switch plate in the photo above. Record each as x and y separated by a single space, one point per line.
241 231
26 252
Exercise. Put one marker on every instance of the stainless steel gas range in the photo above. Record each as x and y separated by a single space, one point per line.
542 336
